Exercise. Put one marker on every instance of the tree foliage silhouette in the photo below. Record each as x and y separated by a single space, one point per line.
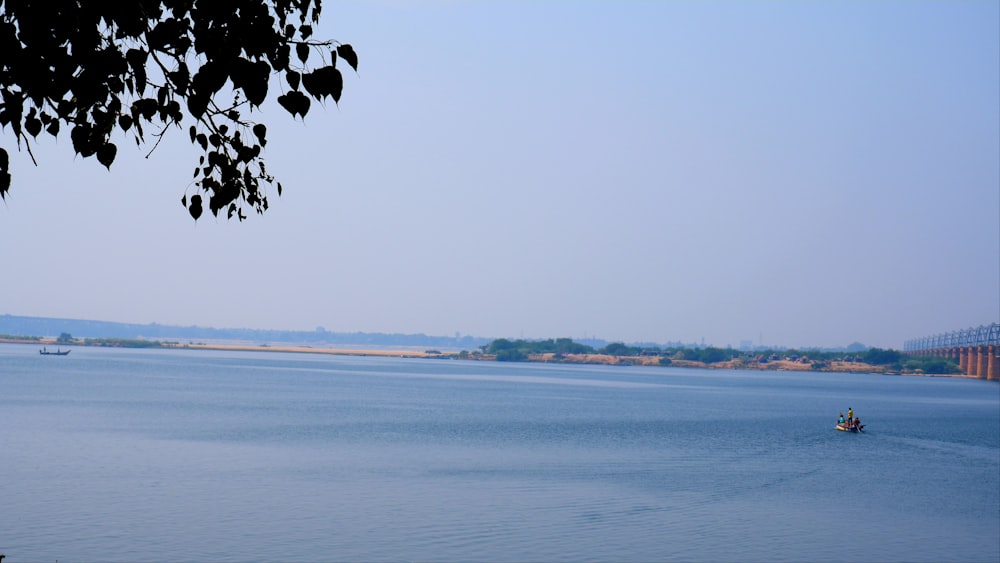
94 67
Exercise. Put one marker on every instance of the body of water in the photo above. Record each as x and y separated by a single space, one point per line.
145 455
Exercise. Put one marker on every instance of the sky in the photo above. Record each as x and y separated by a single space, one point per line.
791 174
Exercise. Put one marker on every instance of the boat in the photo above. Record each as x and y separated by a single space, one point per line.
845 428
58 352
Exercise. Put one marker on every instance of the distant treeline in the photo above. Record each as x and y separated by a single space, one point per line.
19 337
25 327
122 343
520 350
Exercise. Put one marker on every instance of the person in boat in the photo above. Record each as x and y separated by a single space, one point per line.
841 419
857 424
850 414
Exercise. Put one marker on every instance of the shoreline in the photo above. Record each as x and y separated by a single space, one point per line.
578 359
235 347
401 353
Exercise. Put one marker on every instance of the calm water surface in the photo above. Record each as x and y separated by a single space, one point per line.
137 455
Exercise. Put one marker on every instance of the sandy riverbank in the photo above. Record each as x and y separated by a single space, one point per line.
773 365
400 353
738 364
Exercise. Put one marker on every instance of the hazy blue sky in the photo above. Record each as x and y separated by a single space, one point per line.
796 173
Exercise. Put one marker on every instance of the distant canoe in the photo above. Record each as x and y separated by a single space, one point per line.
58 352
845 428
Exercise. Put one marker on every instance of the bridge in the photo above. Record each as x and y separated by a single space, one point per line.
976 349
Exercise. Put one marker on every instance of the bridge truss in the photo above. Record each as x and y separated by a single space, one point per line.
984 335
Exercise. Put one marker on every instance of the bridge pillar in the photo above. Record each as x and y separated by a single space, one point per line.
993 363
963 360
981 351
971 361
976 359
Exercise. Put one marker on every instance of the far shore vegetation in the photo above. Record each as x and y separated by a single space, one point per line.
566 350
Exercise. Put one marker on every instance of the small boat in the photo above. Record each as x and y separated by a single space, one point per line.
845 428
58 352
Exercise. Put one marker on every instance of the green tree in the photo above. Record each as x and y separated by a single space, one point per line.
143 66
620 349
560 346
929 364
65 338
517 350
880 357
511 355
708 355
498 345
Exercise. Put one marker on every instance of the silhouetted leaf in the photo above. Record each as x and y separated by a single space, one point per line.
33 126
106 154
293 77
218 159
4 174
173 111
247 154
137 61
347 53
322 82
251 77
280 57
197 104
210 79
65 109
13 107
82 142
295 103
181 78
302 51
195 208
145 107
260 131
